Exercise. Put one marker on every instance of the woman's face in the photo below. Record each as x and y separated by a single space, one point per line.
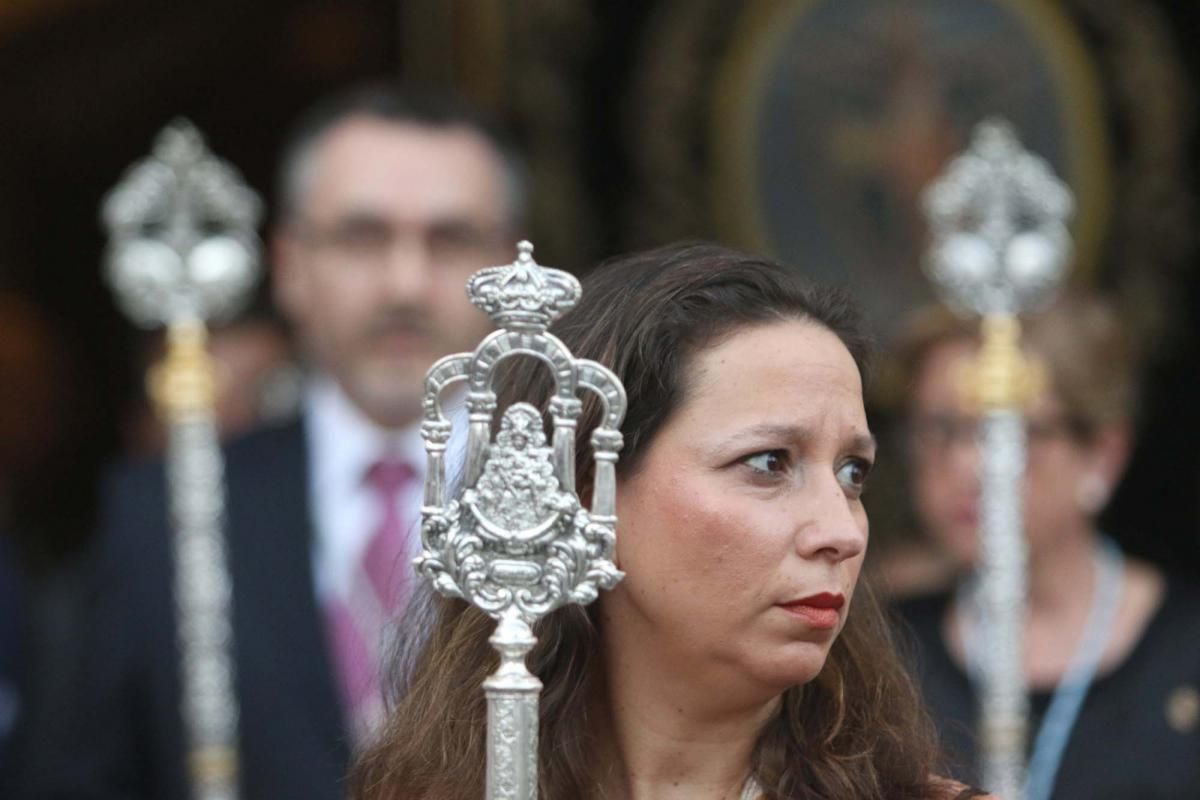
742 533
945 461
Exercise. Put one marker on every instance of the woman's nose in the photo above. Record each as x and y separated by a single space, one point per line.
835 526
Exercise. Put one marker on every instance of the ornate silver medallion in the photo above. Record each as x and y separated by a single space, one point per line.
181 225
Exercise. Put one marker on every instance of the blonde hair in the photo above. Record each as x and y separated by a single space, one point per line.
1090 360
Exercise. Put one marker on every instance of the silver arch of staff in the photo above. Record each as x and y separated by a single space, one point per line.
516 542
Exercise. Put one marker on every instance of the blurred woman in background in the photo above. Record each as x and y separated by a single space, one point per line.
1112 645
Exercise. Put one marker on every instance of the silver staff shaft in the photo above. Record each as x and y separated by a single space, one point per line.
202 600
195 476
512 697
1002 381
1004 705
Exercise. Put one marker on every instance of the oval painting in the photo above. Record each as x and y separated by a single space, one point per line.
832 116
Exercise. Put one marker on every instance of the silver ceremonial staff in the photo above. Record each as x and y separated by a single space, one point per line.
516 542
183 251
999 247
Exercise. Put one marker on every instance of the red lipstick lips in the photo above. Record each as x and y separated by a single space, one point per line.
818 610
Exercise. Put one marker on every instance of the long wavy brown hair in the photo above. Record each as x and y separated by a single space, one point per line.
856 732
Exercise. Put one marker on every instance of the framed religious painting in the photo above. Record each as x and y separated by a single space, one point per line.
808 129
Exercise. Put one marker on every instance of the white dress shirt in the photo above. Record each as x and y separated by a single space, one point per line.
342 446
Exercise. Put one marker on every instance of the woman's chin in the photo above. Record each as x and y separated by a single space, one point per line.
796 665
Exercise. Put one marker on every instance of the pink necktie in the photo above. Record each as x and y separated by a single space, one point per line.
378 591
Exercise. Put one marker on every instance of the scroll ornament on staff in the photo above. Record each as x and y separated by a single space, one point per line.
517 543
1000 247
183 251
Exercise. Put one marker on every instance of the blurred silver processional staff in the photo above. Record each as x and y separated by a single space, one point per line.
1000 245
517 543
182 252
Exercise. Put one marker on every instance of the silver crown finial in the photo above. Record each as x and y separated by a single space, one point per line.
523 295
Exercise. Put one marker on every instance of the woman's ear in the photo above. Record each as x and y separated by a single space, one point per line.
1111 449
1092 493
1108 456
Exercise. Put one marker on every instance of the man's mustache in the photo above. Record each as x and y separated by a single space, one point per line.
402 320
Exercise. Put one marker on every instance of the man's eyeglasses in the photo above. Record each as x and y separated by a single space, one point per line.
368 240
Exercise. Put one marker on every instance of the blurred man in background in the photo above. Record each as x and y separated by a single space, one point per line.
389 201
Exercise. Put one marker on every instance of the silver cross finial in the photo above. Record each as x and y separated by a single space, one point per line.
998 220
181 225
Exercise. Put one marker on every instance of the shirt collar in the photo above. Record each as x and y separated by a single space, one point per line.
345 443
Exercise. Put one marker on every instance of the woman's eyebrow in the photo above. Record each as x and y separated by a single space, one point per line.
794 434
863 443
771 431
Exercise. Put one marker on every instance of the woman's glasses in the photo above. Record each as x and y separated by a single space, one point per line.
935 435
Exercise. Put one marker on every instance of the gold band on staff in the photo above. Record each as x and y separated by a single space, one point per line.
1002 376
183 384
213 764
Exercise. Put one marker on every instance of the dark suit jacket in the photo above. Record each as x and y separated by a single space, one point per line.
13 676
292 735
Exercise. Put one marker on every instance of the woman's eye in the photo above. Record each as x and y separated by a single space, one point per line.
853 475
767 461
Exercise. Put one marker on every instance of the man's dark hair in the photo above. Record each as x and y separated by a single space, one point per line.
402 105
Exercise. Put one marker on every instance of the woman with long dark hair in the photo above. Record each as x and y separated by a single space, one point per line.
739 657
